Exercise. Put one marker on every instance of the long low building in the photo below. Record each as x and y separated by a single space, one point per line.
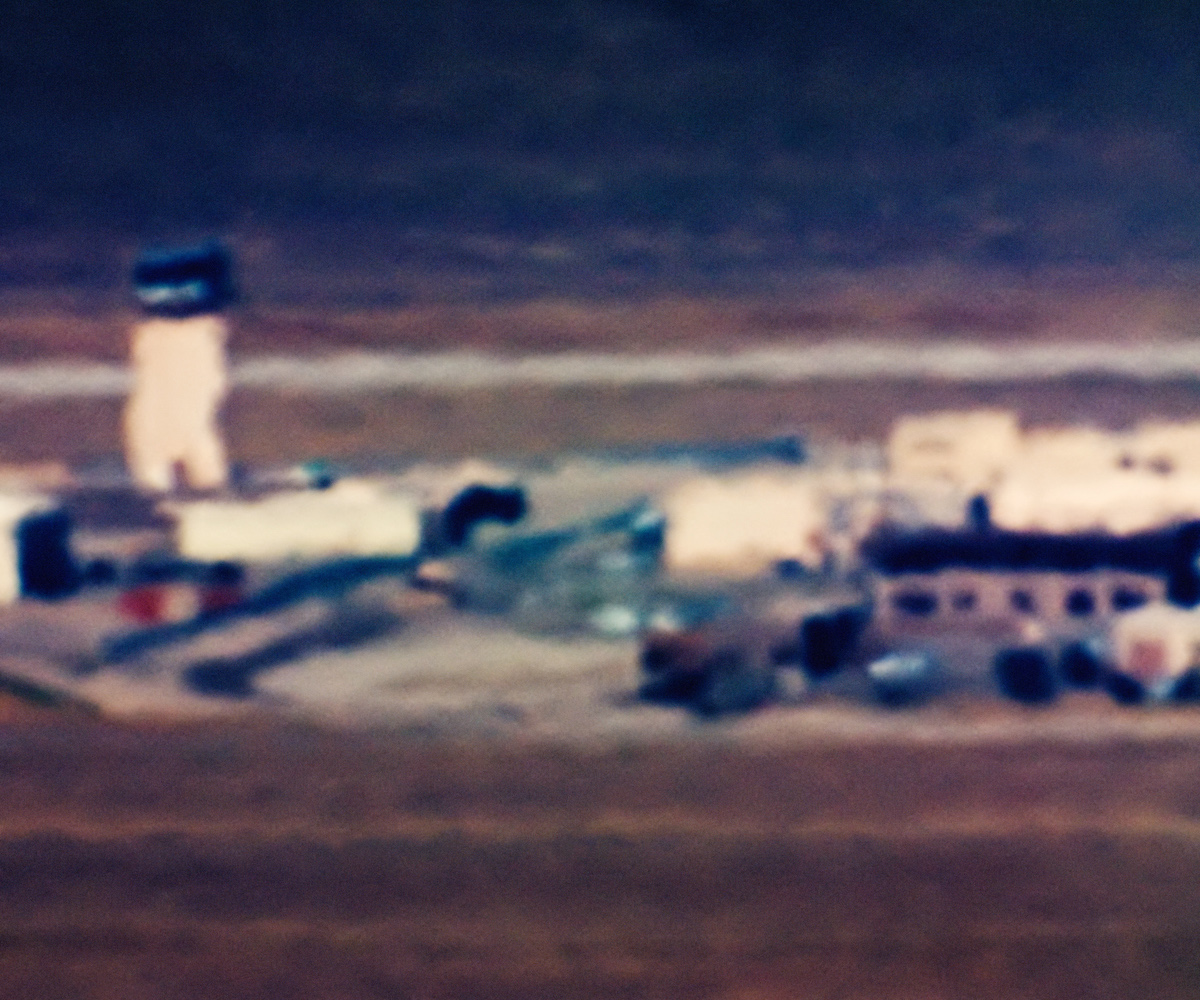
956 576
352 518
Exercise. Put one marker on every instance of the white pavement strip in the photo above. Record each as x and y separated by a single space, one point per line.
349 373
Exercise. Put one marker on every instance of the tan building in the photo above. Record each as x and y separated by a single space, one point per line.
742 525
967 580
969 449
179 370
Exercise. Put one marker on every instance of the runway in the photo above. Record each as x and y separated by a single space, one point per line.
351 373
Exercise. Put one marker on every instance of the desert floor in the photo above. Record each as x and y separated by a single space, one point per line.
263 857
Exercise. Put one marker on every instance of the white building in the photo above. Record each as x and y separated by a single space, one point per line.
351 518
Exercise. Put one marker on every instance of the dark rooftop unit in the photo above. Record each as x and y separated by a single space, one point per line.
1170 553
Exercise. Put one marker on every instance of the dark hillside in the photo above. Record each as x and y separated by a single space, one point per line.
374 153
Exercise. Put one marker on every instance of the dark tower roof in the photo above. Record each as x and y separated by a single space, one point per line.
184 281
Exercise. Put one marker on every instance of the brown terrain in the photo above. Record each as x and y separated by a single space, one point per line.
265 858
386 428
271 859
812 306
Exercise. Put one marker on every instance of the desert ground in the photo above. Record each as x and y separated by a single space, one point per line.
464 833
264 857
389 427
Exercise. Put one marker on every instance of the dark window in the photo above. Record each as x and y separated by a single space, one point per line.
1128 598
826 640
915 602
1022 602
964 600
1080 603
1081 665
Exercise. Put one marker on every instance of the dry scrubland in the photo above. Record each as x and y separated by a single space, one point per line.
255 858
385 428
815 305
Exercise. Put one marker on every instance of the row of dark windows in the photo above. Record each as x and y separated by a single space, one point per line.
1078 603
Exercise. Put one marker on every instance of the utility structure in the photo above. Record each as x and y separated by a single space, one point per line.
179 368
